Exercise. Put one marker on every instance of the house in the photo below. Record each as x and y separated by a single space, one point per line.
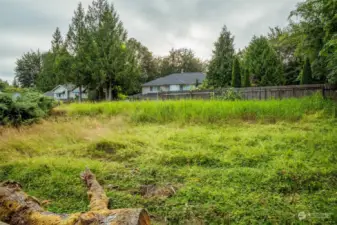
66 92
76 93
16 96
174 82
49 94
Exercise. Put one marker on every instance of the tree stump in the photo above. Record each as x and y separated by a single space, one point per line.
17 208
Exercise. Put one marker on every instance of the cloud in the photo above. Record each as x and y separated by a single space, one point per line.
159 24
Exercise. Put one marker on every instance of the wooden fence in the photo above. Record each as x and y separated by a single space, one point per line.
261 93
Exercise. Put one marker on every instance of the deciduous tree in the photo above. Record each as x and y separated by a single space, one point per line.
28 68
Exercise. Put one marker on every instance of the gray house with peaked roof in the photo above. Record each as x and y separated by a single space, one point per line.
67 92
174 82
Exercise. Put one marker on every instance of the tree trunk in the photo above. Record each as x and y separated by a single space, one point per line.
110 91
80 90
107 89
17 208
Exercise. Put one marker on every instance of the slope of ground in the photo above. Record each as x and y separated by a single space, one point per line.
243 172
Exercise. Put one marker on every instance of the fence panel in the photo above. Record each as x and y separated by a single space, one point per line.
260 93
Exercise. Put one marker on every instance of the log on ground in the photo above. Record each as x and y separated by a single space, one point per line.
17 208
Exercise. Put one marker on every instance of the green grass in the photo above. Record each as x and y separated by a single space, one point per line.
193 111
245 172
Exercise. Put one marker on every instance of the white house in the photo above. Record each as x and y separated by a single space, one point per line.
76 93
66 92
174 82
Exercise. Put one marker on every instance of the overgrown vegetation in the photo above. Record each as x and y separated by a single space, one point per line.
215 111
23 108
215 169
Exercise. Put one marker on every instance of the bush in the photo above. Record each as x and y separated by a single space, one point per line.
26 109
229 95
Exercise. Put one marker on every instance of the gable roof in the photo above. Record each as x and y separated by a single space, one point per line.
68 87
177 78
77 90
49 94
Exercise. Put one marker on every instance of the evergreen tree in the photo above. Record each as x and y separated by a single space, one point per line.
75 40
264 63
57 42
307 73
236 74
15 83
53 71
220 68
246 79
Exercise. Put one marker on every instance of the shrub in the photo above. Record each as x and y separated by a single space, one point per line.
229 95
24 110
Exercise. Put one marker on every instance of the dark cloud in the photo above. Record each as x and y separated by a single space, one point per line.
159 24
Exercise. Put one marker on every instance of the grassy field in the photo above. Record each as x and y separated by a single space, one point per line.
187 162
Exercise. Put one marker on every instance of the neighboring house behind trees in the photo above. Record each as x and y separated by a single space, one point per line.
66 92
174 82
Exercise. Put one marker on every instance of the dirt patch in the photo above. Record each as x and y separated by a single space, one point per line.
108 146
152 191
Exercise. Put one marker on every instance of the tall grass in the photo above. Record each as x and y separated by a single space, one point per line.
200 111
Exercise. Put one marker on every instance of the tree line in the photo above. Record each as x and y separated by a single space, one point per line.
97 54
304 52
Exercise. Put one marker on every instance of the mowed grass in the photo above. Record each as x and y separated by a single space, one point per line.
194 111
234 171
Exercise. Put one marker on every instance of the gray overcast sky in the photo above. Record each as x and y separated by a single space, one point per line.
159 24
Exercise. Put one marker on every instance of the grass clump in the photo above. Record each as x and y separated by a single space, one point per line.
214 111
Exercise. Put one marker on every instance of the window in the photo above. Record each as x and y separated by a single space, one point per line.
153 89
181 87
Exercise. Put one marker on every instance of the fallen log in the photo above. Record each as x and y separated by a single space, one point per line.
17 208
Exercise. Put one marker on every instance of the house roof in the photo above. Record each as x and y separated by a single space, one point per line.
77 90
177 78
49 94
68 87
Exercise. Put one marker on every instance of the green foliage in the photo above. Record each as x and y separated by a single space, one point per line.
3 85
330 51
264 63
28 68
180 60
246 81
307 74
189 111
315 30
285 43
226 172
149 67
26 109
55 70
236 74
220 67
229 95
